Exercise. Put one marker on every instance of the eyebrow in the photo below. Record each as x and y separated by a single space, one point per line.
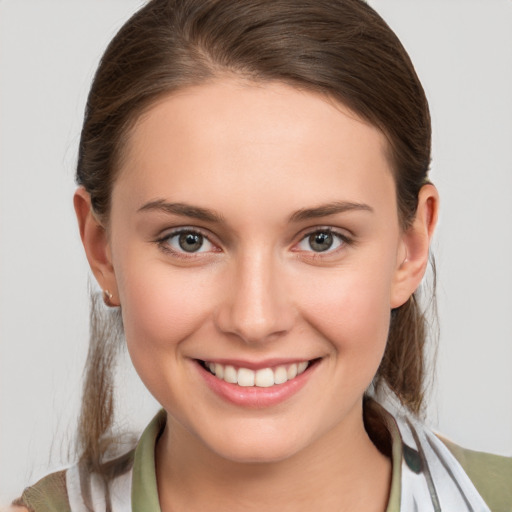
207 215
186 210
328 209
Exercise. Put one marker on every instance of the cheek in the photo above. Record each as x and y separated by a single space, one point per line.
161 306
351 308
355 321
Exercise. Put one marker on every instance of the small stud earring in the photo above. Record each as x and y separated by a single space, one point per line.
107 298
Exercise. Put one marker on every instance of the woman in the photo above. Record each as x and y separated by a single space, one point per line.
254 202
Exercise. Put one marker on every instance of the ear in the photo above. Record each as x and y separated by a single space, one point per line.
96 244
414 247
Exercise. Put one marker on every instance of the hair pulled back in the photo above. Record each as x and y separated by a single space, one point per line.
339 48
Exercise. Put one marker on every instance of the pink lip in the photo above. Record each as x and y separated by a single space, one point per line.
255 397
257 365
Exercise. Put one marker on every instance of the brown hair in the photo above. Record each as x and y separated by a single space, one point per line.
338 48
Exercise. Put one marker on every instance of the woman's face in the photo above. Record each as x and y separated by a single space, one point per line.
254 230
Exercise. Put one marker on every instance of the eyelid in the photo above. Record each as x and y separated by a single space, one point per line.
340 234
161 239
170 233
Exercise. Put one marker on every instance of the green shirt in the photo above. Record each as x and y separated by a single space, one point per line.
490 474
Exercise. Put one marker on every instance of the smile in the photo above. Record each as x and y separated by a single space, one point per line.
262 378
257 385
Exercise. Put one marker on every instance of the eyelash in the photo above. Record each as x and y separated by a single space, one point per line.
342 239
164 245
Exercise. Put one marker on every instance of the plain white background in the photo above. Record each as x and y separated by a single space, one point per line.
462 50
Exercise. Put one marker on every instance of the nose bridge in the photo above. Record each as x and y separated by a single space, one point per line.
256 306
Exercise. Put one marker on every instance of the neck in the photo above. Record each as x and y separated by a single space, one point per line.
341 471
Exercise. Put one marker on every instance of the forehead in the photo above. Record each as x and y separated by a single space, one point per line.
231 138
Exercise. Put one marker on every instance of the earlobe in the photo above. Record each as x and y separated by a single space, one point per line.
415 243
95 241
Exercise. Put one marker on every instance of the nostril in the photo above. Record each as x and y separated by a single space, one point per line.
256 326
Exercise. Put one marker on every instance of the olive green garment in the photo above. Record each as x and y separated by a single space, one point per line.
490 474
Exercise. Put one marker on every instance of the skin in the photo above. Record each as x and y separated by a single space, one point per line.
256 154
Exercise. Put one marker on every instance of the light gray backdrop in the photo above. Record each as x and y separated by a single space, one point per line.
462 50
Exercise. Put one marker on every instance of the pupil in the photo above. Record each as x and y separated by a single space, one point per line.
190 242
320 241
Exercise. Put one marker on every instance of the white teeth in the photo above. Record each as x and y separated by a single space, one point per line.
230 374
219 370
301 367
292 371
262 378
280 375
245 377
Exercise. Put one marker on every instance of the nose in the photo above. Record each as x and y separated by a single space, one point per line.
255 305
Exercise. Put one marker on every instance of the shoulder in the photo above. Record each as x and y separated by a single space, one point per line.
47 495
74 487
490 474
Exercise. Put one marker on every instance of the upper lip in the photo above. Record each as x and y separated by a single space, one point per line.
257 365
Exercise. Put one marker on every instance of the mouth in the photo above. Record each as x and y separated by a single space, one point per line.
267 377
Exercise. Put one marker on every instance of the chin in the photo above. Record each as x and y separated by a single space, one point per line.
257 445
259 454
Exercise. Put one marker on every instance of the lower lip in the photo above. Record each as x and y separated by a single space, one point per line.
255 397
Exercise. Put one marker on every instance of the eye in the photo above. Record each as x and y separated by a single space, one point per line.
322 240
186 241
